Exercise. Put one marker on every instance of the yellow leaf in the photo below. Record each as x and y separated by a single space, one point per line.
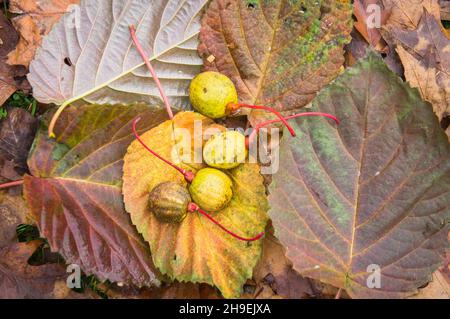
195 250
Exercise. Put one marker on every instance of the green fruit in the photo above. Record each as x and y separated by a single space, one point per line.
210 93
211 189
225 150
169 202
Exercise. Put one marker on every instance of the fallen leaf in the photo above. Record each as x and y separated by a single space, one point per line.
358 47
11 77
174 290
445 9
12 213
370 33
20 280
105 66
196 250
438 288
17 132
372 193
34 20
75 191
425 53
282 53
425 79
274 274
406 14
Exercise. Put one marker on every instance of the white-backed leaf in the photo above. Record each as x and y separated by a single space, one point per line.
89 54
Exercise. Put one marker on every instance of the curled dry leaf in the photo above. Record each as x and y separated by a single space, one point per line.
425 53
89 54
17 132
372 192
445 9
75 191
195 250
282 53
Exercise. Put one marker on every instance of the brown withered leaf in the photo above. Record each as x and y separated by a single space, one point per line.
35 19
277 53
437 288
18 279
364 18
17 132
406 14
425 53
175 290
12 213
11 77
445 9
274 274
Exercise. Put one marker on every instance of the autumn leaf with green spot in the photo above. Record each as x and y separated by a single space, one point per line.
372 194
278 53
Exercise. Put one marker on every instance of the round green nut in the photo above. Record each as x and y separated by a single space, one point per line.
169 202
210 93
211 189
225 150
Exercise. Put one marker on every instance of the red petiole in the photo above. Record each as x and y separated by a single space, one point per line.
11 184
255 131
193 207
189 176
234 107
150 68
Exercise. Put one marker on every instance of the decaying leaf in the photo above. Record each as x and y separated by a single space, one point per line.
282 53
445 9
425 53
35 19
17 132
20 280
75 191
11 77
371 194
89 55
195 250
366 22
274 274
437 288
406 14
12 213
425 79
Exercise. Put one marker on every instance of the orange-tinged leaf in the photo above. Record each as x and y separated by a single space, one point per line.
195 250
35 19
